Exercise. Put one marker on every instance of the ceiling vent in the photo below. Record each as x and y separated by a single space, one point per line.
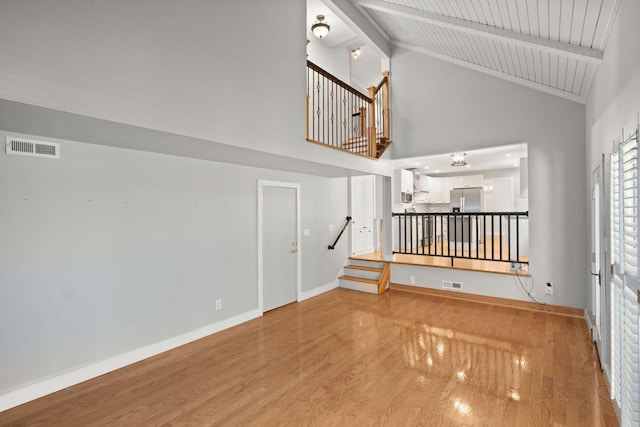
448 284
30 147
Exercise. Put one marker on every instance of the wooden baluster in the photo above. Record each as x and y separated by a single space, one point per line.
372 121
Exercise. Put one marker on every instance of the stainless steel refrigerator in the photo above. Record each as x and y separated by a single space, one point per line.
465 233
466 199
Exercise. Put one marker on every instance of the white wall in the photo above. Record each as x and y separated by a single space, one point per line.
108 250
334 60
439 107
613 102
489 284
199 69
520 204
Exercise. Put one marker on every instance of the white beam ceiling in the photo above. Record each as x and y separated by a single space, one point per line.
526 40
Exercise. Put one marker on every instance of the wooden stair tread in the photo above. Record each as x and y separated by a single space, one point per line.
359 279
359 267
358 258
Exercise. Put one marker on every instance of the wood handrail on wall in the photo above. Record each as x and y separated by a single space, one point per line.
342 117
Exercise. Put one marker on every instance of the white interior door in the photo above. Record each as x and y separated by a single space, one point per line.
279 252
362 213
597 280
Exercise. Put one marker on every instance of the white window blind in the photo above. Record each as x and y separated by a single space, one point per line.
631 383
615 208
629 158
625 313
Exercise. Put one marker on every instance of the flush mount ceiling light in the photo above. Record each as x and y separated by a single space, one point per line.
320 29
355 53
458 159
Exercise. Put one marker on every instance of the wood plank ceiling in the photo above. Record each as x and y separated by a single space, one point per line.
551 45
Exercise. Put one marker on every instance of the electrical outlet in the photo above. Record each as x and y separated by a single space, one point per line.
218 304
549 289
412 280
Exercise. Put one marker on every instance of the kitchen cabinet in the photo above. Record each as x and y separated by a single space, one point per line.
439 188
447 185
434 187
406 181
402 183
467 181
440 228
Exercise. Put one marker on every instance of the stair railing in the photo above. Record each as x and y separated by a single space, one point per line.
342 117
346 224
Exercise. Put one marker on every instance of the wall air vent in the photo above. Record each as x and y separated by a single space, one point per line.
448 284
30 147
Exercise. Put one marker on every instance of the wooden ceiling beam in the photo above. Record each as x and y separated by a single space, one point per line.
526 40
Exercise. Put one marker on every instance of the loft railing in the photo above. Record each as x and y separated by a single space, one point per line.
487 236
342 117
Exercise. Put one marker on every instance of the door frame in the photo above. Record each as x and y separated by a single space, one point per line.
603 339
281 184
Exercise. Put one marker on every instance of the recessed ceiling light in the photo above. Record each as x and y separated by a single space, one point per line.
515 165
467 166
426 167
507 155
437 171
416 164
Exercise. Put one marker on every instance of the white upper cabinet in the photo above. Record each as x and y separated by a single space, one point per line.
446 189
433 186
406 181
467 181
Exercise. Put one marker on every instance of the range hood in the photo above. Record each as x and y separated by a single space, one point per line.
417 187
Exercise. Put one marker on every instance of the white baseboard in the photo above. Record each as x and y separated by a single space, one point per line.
51 385
317 291
590 326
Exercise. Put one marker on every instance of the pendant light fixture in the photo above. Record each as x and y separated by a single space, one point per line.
458 159
320 29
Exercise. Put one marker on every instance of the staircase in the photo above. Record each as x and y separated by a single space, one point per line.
366 276
360 145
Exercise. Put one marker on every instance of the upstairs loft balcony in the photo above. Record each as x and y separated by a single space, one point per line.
343 118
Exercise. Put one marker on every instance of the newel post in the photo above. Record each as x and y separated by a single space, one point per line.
385 107
372 121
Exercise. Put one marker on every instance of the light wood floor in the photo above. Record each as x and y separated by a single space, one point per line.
347 358
498 267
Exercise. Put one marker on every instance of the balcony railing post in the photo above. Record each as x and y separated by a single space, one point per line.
385 106
363 122
372 122
307 116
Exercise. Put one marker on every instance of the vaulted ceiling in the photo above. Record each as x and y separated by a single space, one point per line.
554 46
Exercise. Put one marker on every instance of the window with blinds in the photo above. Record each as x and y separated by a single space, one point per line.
625 313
